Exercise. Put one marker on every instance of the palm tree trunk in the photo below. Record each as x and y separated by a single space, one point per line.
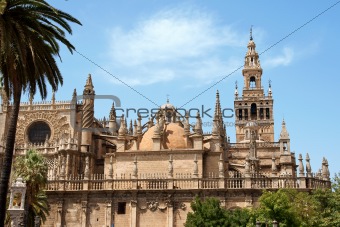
10 140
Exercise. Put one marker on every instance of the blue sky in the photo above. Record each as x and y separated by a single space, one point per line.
182 48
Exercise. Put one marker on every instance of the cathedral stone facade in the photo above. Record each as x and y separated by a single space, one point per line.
106 173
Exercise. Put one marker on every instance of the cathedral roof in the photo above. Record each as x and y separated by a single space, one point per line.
173 137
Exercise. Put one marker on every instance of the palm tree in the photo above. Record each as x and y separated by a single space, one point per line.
30 33
32 168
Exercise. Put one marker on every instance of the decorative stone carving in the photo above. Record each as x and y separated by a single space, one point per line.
180 206
58 124
152 205
133 203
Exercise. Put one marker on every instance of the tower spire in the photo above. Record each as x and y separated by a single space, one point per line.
236 90
252 104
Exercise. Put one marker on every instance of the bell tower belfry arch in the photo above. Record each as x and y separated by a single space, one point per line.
253 105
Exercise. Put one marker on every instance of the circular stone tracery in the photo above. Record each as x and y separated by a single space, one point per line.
38 132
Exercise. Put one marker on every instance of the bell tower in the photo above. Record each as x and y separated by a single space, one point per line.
253 105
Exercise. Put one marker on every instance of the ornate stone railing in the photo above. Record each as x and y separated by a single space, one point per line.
100 182
258 145
45 148
315 183
46 105
240 98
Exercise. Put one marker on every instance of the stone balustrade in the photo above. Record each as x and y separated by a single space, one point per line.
101 182
45 148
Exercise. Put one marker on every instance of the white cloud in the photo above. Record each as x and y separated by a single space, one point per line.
174 44
283 59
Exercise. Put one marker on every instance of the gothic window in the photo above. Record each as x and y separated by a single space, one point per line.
252 82
253 111
240 114
261 113
38 132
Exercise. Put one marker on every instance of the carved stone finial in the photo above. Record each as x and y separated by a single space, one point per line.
308 166
187 124
122 130
135 126
130 128
198 126
89 84
139 125
325 171
157 130
126 128
284 133
215 129
274 168
113 113
301 168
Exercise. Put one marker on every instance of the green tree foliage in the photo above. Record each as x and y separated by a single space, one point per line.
209 213
278 206
30 34
33 169
240 217
328 200
289 207
206 214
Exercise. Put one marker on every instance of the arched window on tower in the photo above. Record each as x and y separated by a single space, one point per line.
267 113
253 111
252 82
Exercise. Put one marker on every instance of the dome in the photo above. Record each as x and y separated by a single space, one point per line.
173 137
167 106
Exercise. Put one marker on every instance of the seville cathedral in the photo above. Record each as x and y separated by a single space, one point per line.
112 172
